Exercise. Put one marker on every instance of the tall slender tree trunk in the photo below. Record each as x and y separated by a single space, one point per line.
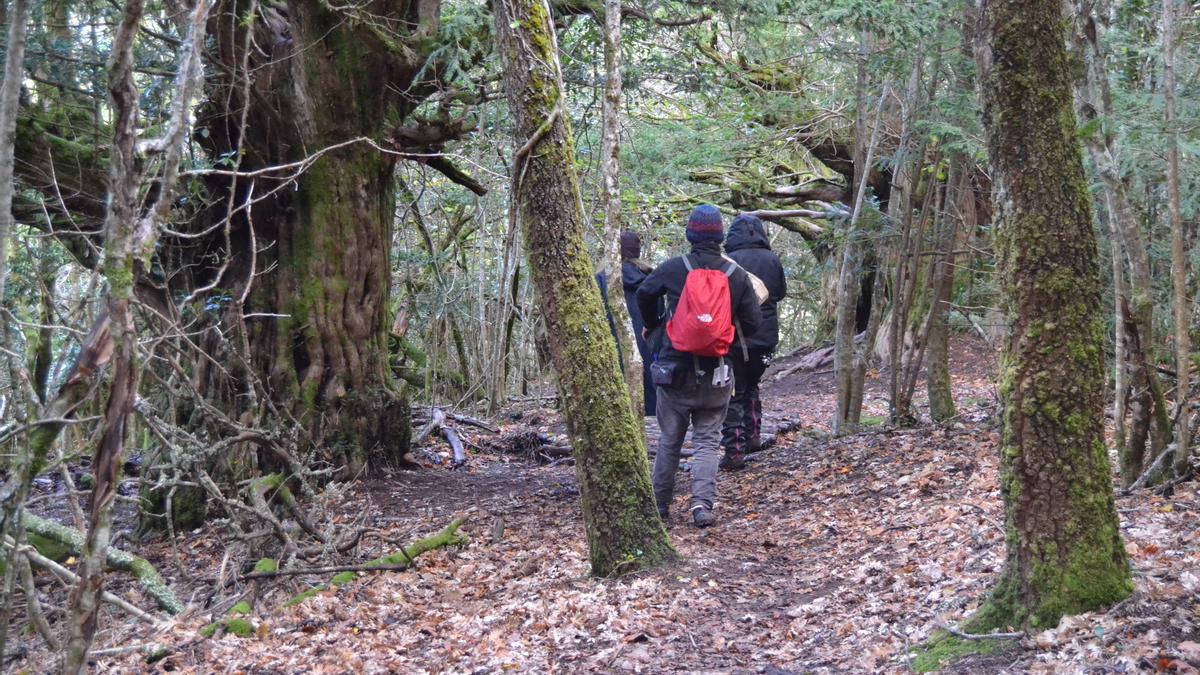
1179 260
1148 425
1120 366
10 101
121 251
904 183
610 198
130 235
622 525
937 379
1064 549
848 404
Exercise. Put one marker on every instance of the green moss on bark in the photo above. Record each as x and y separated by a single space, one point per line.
1065 553
621 522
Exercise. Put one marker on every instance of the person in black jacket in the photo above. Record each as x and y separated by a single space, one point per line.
692 390
633 272
747 245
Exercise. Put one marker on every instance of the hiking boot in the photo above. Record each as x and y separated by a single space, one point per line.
702 516
732 461
663 510
755 445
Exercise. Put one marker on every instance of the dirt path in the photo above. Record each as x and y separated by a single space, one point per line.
829 556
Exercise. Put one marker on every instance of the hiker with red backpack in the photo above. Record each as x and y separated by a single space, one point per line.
709 300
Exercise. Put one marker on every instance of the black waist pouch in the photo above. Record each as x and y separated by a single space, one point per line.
663 373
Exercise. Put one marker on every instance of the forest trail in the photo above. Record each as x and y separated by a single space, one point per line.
829 555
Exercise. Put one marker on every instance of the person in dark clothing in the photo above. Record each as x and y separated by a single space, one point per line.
747 245
633 272
692 389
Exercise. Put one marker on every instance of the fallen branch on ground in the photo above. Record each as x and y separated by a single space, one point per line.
1150 475
531 444
437 422
70 577
141 569
324 570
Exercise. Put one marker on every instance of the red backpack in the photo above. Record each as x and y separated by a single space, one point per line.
702 323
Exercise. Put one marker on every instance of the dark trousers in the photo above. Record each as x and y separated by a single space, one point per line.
743 420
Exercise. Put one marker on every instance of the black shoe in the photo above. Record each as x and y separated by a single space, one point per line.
702 516
732 461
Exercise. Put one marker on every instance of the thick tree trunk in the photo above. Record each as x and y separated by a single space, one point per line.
308 265
1065 553
623 529
333 283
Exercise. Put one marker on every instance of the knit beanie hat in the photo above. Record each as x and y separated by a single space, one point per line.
631 245
704 225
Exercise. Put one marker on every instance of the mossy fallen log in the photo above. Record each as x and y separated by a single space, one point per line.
140 568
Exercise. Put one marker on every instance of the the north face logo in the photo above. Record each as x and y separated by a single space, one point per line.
705 318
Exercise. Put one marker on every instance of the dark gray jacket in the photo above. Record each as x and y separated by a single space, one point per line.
747 244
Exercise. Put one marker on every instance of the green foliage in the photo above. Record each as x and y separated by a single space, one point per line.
944 650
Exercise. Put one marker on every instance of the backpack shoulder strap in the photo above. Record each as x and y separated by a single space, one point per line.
687 263
728 269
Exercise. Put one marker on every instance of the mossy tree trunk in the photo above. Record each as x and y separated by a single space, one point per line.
1065 554
309 265
623 529
937 380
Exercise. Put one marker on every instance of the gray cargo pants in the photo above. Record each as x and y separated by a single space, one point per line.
703 406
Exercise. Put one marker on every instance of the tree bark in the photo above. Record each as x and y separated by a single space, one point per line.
10 101
122 251
610 198
308 265
937 379
1120 340
1065 554
1179 259
1094 103
622 525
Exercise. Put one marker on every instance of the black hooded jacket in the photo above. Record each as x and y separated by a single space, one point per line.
747 244
668 279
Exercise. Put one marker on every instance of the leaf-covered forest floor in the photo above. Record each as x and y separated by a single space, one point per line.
829 555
